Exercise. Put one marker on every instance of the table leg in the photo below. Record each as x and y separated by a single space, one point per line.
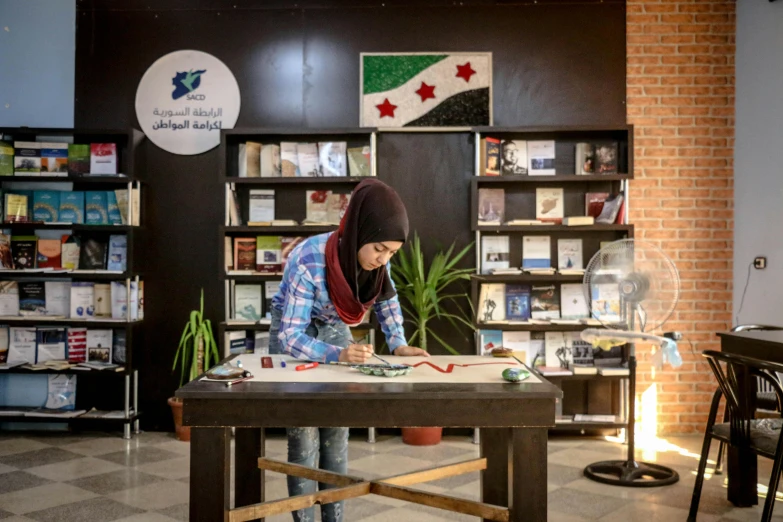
496 448
741 465
528 476
210 464
248 478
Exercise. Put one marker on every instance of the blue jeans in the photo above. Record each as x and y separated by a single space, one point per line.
326 448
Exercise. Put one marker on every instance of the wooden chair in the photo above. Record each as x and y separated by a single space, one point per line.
761 436
765 396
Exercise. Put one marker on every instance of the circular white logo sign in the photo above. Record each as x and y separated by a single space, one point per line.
184 99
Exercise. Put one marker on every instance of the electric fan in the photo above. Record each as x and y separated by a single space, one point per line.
632 288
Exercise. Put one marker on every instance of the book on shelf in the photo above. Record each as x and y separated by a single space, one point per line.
332 159
573 304
554 371
70 252
536 252
495 253
99 345
46 205
491 206
51 343
569 254
317 207
611 209
249 160
72 207
489 340
528 222
360 161
505 271
93 254
557 349
117 260
103 299
605 302
27 158
15 208
103 159
49 254
6 159
578 221
32 298
489 157
9 298
307 157
268 254
289 159
545 302
517 302
58 298
22 344
541 158
6 257
82 300
270 161
581 417
519 343
261 206
77 344
583 369
549 205
78 159
606 158
245 253
514 161
492 303
248 302
609 371
584 159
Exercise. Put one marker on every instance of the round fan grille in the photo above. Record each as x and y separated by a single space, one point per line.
631 285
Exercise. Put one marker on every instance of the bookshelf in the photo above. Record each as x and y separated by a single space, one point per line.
113 389
290 203
583 394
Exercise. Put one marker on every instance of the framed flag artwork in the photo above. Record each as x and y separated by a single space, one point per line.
425 90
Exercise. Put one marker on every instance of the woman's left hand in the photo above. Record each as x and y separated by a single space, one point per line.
409 351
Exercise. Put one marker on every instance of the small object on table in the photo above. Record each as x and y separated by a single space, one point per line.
243 379
239 363
266 362
502 352
382 370
307 366
515 374
226 372
282 364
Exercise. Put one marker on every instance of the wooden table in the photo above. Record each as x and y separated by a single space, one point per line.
741 466
513 418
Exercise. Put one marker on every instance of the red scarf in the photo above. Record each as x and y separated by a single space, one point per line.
348 307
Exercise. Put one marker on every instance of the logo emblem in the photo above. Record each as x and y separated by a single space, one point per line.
186 82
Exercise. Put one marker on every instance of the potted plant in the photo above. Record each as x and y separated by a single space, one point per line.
196 352
424 292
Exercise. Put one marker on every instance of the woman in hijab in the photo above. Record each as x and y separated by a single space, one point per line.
329 283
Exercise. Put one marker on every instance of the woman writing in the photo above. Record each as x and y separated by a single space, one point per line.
329 283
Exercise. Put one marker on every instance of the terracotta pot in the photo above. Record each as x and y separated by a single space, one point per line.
183 432
421 436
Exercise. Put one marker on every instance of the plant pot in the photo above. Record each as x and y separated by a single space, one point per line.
421 436
182 432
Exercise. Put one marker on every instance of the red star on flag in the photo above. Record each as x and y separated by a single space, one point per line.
386 108
426 91
465 71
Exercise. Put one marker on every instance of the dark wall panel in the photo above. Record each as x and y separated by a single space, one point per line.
554 62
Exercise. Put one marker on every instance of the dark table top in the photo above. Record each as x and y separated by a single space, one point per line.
766 345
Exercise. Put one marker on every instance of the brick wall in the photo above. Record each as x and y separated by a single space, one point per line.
680 95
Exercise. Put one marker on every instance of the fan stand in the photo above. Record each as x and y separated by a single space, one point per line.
629 472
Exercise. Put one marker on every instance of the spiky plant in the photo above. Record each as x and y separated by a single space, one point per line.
197 349
424 292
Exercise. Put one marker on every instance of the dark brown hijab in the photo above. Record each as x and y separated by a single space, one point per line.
375 214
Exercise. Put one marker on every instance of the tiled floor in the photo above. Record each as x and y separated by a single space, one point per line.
101 477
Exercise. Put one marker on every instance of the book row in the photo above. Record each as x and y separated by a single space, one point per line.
257 342
323 207
58 348
554 353
252 302
536 254
92 207
291 159
32 158
70 252
72 300
537 158
503 303
600 207
261 254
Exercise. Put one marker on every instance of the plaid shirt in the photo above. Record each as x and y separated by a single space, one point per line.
303 296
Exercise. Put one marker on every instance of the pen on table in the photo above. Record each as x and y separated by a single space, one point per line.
230 383
306 366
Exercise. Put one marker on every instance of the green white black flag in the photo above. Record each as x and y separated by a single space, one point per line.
426 90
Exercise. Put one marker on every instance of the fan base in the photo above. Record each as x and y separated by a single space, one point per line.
632 474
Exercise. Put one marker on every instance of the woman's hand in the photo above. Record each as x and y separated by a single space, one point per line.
410 351
356 353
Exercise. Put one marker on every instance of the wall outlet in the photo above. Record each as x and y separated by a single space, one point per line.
760 263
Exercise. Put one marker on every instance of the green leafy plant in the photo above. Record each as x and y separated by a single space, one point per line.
424 292
197 349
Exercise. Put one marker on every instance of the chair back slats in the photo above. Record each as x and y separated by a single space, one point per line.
735 374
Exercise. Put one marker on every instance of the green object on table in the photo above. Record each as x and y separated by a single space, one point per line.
515 374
